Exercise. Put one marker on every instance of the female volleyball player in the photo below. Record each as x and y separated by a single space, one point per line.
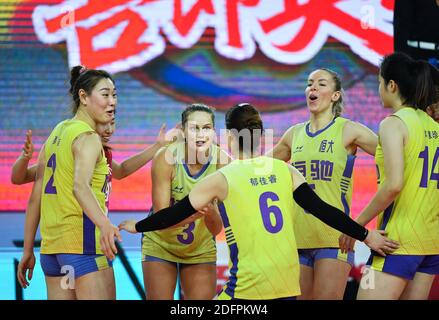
257 214
188 251
323 149
408 173
74 228
21 174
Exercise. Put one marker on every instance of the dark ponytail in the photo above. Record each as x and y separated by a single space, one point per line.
244 121
417 80
425 91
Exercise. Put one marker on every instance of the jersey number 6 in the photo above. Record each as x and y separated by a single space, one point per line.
266 212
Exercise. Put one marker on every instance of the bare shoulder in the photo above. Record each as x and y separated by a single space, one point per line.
351 126
86 138
356 129
392 123
164 157
163 166
287 137
87 144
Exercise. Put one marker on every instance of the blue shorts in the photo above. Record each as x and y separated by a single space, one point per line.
308 257
224 296
404 266
58 265
176 264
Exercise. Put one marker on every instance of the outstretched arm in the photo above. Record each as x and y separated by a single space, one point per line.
204 192
335 218
134 163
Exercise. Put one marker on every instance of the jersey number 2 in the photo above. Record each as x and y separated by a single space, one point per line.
50 188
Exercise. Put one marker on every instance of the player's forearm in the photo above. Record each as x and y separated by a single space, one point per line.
189 220
385 195
134 163
333 217
167 217
89 204
213 222
369 147
19 171
32 220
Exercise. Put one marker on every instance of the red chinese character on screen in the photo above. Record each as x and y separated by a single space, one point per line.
127 45
88 22
93 7
121 34
388 4
185 22
315 13
233 27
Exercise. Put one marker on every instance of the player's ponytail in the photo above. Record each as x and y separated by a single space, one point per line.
417 80
426 84
337 106
244 121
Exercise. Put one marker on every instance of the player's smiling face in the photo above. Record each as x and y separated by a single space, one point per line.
199 131
101 103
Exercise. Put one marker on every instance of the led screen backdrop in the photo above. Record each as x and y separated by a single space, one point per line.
167 53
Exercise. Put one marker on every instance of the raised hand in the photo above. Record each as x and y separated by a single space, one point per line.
175 134
161 137
28 147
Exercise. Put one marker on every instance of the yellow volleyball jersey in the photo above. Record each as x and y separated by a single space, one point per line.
413 218
259 230
192 243
64 227
327 167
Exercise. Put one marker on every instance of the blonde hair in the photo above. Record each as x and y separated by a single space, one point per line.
337 106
